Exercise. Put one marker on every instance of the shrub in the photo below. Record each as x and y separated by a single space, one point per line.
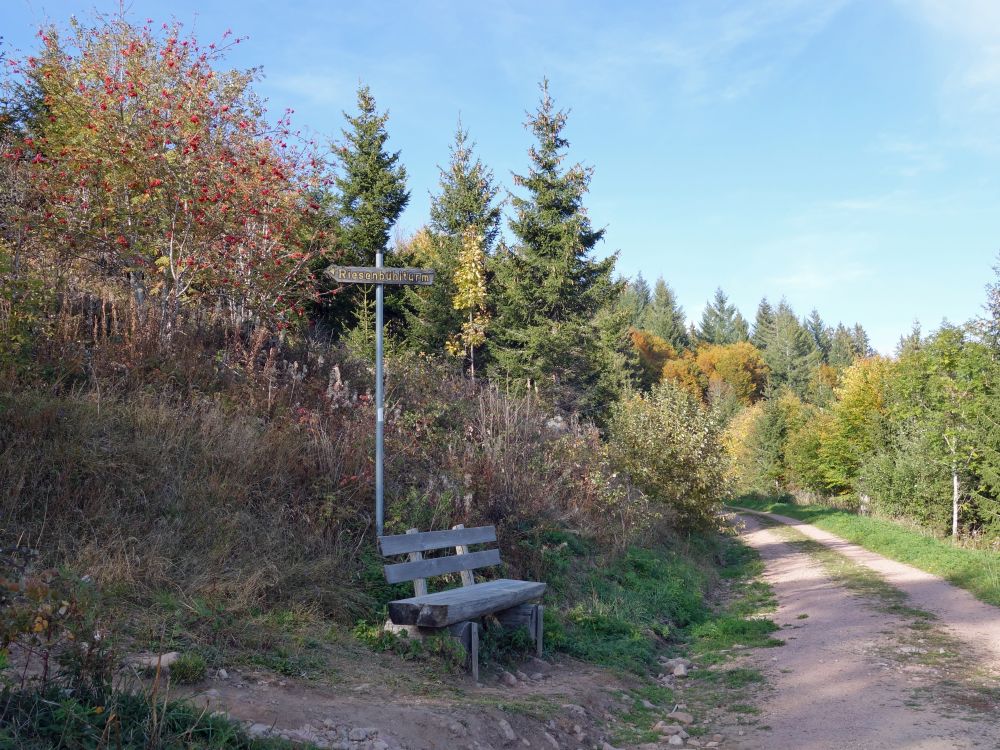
670 448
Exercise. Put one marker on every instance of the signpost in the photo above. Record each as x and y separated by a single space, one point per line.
380 276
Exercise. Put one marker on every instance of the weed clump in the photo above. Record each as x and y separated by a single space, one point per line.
188 669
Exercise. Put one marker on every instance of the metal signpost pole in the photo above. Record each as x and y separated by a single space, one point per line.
379 406
380 276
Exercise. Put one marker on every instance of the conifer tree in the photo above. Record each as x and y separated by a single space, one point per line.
371 187
371 194
722 323
820 334
910 343
841 348
792 354
763 326
466 199
635 299
991 322
665 317
549 287
860 342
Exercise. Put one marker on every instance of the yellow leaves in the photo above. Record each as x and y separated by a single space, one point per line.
470 297
470 276
40 625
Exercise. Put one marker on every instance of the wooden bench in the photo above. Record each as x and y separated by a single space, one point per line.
459 609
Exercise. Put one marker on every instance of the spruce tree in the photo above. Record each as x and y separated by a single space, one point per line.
549 288
371 186
665 317
722 323
860 343
841 348
635 299
763 326
820 333
467 199
792 354
991 322
370 195
910 343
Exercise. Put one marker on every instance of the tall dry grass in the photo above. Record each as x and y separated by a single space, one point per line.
236 466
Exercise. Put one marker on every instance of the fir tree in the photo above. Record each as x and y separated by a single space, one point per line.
763 326
467 199
635 300
909 343
792 354
820 334
371 187
549 287
841 348
722 323
370 195
991 322
860 343
665 317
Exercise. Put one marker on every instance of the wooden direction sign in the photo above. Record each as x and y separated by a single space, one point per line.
376 275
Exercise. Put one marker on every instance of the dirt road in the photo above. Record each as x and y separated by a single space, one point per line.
861 672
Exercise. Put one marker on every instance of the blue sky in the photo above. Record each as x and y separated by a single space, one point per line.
843 154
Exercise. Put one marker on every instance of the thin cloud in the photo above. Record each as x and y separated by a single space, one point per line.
970 31
819 262
912 158
721 53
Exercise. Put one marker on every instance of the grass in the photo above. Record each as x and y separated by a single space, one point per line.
129 720
975 570
711 638
617 615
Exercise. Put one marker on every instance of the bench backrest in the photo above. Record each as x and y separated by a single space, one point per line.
417 569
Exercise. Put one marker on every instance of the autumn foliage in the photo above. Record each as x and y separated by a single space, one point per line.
153 174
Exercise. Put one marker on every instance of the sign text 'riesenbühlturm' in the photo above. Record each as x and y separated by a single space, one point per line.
370 275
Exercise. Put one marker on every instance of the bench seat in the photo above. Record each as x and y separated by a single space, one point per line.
467 603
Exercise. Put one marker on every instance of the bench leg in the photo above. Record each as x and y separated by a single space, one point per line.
467 633
527 616
539 628
474 651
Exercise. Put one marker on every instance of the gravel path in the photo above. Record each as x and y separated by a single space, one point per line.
964 616
839 681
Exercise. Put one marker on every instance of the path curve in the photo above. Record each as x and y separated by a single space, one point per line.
964 616
835 684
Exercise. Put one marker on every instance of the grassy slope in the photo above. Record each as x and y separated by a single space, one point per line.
977 571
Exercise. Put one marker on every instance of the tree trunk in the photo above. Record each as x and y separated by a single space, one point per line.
954 502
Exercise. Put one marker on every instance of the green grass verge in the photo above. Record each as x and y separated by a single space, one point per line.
719 632
619 613
976 571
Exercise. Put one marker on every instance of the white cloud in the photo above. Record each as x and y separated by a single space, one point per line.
969 30
912 158
813 262
721 51
321 88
